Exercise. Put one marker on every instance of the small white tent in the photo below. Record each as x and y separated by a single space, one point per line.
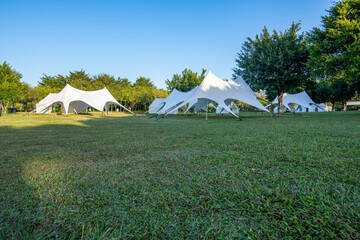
156 105
214 89
295 101
74 100
314 108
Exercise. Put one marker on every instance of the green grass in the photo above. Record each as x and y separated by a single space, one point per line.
121 176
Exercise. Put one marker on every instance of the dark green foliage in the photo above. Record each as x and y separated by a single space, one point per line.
90 177
274 62
337 91
185 81
54 82
335 47
78 79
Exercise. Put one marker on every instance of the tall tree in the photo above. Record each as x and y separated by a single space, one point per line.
335 47
274 62
185 81
56 83
103 80
11 88
80 79
143 91
144 82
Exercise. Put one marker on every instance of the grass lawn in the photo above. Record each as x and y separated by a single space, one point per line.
121 176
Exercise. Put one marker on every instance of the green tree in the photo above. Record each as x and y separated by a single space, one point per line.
56 83
142 92
80 79
274 62
144 82
336 91
185 81
335 47
11 88
103 80
36 94
160 93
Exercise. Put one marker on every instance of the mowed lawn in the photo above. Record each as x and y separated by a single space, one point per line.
122 176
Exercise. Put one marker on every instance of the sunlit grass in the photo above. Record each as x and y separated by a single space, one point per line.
124 176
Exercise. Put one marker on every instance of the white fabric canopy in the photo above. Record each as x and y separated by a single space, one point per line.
75 100
214 89
156 105
175 100
301 99
314 108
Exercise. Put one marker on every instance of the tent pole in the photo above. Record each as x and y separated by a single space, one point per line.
207 101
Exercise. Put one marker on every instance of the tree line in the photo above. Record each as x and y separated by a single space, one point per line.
136 96
324 61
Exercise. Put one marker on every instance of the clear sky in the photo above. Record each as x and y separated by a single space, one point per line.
136 38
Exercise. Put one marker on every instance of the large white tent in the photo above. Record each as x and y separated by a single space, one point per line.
292 101
214 89
75 100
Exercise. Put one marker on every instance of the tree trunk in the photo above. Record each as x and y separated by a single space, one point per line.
280 102
5 107
333 103
345 107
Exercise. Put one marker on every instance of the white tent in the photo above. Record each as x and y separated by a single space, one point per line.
156 105
295 101
233 108
214 89
74 100
175 100
314 108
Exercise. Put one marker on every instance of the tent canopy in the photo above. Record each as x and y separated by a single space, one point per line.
75 100
301 99
214 89
156 105
175 100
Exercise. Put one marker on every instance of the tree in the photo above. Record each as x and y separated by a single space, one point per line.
275 63
335 47
80 79
11 88
185 81
35 94
122 90
103 80
337 91
143 92
56 83
144 82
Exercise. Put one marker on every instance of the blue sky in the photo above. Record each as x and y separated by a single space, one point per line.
136 38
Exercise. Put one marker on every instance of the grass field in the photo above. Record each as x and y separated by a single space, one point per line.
121 176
